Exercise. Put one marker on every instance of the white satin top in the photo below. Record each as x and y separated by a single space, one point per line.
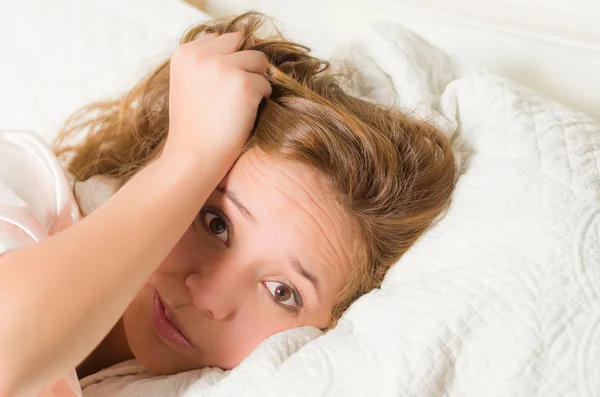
34 191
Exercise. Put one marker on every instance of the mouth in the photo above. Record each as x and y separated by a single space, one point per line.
164 327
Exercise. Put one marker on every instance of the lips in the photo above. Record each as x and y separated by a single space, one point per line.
164 327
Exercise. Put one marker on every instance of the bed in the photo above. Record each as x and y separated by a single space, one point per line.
500 298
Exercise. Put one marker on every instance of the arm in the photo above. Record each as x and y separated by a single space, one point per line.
61 296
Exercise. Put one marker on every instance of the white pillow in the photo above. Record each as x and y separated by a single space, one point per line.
60 55
502 296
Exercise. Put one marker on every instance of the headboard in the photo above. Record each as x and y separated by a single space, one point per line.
551 46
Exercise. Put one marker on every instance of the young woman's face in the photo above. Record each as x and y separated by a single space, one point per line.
268 252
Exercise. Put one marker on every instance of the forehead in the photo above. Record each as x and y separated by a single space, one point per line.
295 201
279 186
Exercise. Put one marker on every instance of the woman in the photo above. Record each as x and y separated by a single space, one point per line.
227 226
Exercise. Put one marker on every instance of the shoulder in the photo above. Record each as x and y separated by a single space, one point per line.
15 145
34 189
25 156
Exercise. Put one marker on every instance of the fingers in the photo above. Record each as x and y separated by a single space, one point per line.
261 84
203 40
254 63
250 43
229 44
250 61
225 44
213 43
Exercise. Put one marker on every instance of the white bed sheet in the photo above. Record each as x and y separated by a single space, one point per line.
500 298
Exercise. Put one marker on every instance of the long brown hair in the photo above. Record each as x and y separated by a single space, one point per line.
393 174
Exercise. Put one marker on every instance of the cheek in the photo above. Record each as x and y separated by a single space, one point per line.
188 251
241 338
225 344
144 346
152 353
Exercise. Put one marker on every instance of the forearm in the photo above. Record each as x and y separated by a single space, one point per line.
61 296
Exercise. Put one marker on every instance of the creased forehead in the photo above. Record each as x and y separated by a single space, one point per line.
296 199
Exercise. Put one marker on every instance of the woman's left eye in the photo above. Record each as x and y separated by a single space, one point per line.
216 225
284 295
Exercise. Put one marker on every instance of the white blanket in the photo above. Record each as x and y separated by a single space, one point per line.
500 298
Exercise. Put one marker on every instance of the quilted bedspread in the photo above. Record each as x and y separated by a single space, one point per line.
500 298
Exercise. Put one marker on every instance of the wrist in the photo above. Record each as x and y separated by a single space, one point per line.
195 168
219 161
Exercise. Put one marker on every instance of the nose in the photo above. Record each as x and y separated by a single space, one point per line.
217 291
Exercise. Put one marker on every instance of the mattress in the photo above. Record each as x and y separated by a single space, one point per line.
501 297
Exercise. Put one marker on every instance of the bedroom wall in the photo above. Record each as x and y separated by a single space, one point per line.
551 46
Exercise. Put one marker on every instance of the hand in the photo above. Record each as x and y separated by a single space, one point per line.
214 96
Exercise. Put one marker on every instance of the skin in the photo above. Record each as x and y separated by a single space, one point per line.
108 256
112 258
214 283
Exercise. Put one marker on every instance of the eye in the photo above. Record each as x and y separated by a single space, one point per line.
216 224
284 295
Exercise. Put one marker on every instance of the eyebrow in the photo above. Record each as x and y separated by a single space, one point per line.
306 274
234 199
